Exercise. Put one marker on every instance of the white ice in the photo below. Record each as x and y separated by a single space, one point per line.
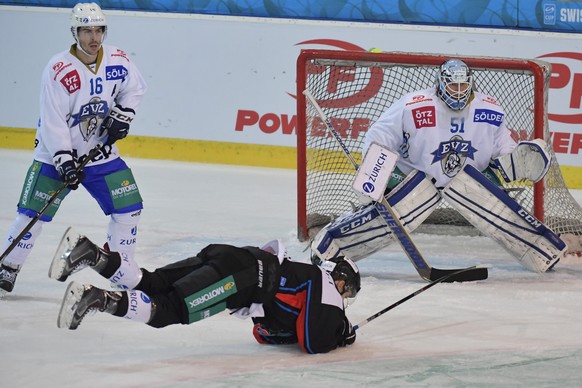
516 328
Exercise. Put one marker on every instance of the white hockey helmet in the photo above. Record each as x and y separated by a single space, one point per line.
455 83
87 15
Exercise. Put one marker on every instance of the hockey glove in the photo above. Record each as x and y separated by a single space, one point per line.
348 335
117 123
529 160
67 169
264 335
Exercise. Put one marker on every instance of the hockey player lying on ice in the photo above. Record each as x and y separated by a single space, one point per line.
451 139
289 302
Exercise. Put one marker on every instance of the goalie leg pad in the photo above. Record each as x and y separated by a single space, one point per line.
355 234
498 216
359 233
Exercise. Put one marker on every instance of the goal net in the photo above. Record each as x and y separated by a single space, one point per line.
355 87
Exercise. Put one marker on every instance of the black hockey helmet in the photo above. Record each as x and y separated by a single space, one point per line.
346 270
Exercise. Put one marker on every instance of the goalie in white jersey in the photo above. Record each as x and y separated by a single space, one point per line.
439 130
451 139
89 96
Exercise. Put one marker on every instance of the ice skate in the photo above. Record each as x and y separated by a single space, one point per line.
7 279
74 253
82 300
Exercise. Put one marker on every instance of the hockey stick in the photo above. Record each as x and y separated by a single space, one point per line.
50 201
444 279
423 268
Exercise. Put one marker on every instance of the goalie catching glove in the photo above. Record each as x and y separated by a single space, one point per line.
529 160
67 169
117 123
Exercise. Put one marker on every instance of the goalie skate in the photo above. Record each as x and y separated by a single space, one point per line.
74 253
82 300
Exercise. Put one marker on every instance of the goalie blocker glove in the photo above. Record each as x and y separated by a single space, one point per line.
117 123
67 169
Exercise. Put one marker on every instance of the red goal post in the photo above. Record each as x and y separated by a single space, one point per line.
355 87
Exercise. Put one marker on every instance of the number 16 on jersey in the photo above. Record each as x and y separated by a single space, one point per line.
374 172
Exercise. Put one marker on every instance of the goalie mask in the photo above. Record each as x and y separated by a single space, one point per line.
87 15
346 270
455 84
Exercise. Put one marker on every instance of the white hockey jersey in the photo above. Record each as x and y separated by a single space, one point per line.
432 138
75 99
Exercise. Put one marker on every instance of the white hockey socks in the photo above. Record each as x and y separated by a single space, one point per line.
128 275
357 234
16 258
122 238
139 307
497 215
122 233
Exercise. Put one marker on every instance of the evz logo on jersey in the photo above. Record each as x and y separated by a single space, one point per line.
90 117
452 155
488 116
116 72
424 117
71 81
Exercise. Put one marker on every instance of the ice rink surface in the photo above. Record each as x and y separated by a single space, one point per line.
515 329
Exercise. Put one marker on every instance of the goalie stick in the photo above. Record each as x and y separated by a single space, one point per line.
443 279
50 201
424 269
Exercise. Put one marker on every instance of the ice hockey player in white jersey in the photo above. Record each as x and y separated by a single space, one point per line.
89 97
451 140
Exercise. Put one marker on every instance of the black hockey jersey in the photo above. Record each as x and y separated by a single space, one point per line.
307 309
